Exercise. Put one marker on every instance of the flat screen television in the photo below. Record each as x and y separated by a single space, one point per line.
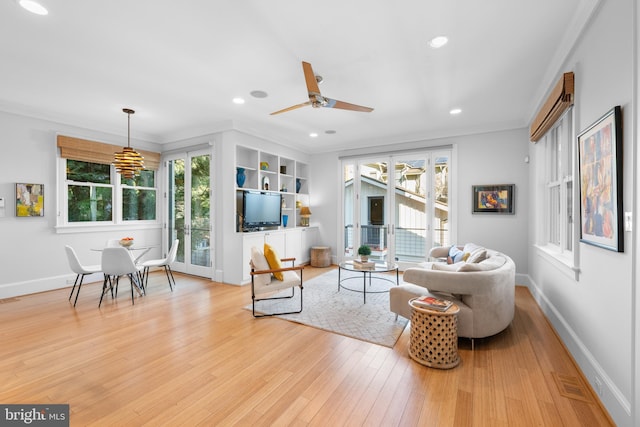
260 209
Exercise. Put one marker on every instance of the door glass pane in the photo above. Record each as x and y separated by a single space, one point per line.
410 209
373 197
176 205
200 211
348 176
441 232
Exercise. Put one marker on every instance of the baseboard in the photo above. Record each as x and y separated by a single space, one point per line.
610 395
11 290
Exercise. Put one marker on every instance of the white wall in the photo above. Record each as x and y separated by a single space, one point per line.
490 158
594 314
32 256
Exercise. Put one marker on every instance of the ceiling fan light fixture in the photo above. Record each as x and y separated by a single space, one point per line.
438 42
129 162
33 7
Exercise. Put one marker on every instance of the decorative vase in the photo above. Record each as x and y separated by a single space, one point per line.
240 177
298 185
364 258
285 219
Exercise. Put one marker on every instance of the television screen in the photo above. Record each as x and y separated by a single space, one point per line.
260 209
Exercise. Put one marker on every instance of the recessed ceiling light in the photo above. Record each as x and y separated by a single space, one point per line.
455 111
238 100
313 135
33 7
438 42
259 94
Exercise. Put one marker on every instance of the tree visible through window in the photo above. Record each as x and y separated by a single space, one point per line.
92 192
89 192
139 197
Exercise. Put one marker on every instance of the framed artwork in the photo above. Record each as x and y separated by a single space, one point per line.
493 198
600 171
29 199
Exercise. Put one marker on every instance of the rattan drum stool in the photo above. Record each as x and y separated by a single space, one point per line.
433 340
320 256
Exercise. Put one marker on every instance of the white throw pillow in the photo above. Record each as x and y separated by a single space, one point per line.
470 247
478 255
259 262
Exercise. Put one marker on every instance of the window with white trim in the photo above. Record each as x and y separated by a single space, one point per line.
559 151
94 194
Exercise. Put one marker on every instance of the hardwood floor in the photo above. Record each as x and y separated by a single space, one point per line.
195 357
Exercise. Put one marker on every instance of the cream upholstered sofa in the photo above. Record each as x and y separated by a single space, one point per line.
483 287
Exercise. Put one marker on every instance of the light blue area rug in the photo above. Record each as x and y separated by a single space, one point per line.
343 312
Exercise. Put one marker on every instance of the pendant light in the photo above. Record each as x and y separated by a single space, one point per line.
129 162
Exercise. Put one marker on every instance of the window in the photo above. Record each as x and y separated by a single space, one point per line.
139 197
95 194
559 216
89 192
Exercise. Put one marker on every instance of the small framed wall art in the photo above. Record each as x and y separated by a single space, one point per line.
493 198
29 199
600 170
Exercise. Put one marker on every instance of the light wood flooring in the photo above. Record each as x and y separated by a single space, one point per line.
195 357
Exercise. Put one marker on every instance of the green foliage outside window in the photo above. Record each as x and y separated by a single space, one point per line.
89 203
91 194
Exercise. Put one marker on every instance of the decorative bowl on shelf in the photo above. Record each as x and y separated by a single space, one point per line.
126 241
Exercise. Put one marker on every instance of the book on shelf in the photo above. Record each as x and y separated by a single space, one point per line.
432 303
363 264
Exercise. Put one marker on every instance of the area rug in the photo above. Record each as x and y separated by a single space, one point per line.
343 312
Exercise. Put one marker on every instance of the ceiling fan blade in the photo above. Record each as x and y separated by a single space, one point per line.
293 107
332 103
310 78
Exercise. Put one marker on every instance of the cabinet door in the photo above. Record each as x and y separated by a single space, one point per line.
294 245
277 240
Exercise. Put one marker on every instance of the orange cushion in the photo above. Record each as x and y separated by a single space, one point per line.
274 260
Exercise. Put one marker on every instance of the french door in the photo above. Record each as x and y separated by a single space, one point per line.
189 211
397 205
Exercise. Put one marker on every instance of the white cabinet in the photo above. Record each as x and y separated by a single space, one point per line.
293 243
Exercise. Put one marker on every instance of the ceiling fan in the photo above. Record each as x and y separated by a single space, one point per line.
316 100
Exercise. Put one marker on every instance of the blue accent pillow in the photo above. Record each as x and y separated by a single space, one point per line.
455 254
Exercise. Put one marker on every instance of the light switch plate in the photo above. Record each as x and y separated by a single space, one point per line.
628 221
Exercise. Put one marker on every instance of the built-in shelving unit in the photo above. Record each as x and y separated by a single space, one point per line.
270 172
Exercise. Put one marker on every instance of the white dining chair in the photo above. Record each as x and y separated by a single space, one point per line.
117 262
79 269
164 262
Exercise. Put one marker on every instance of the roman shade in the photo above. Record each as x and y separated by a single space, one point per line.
559 100
99 152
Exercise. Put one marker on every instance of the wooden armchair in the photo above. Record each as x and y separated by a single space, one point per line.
263 282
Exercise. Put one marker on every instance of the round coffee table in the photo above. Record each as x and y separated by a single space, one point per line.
433 340
378 267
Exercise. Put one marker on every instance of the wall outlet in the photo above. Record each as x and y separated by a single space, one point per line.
598 385
70 281
628 221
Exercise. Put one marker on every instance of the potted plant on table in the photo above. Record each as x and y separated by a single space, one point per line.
364 251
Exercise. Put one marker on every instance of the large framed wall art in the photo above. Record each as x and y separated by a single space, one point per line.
600 171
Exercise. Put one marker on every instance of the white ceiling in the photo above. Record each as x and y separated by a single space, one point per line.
179 64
